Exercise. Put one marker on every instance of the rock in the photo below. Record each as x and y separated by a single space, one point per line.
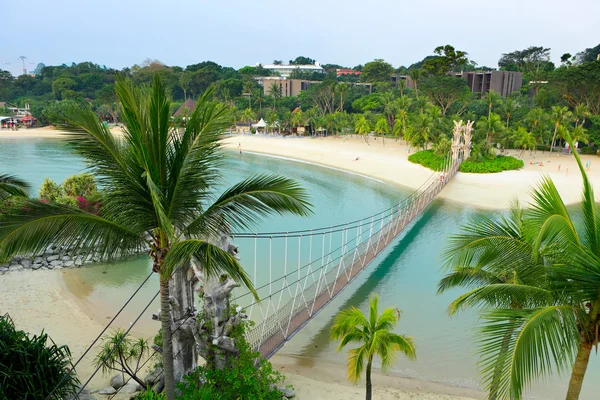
117 381
38 260
65 258
52 258
36 266
3 270
45 263
17 267
69 264
131 387
17 259
159 386
287 392
78 262
153 376
108 390
57 263
26 263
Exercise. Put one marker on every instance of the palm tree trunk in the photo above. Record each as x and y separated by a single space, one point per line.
553 137
581 363
416 90
167 340
369 385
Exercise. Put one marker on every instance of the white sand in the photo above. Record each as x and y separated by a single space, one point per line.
390 164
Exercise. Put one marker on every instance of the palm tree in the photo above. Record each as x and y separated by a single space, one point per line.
416 74
374 335
381 126
510 108
556 328
524 139
420 134
362 127
560 115
492 99
158 187
579 134
275 92
580 113
12 186
403 110
342 88
390 107
248 117
490 127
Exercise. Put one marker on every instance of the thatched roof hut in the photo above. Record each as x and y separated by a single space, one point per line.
186 108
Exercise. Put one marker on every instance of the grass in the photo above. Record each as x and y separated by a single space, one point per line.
429 159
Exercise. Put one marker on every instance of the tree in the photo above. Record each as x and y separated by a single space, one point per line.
403 110
490 127
492 99
377 71
302 61
275 92
374 335
446 91
524 139
566 59
510 108
12 186
33 366
381 126
122 354
361 126
416 75
588 55
248 116
580 113
421 133
447 59
560 115
528 60
156 194
556 327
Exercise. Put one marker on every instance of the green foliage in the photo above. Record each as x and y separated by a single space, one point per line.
77 191
377 71
50 191
31 367
150 394
486 166
248 378
443 146
429 159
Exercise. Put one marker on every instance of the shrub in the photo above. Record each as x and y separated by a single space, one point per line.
76 191
429 159
486 166
589 150
249 377
50 190
31 367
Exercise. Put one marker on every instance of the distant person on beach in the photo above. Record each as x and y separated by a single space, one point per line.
357 158
240 147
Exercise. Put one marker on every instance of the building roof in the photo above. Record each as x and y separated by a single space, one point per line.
186 108
260 124
315 67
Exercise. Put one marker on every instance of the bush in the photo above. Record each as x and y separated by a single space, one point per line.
589 150
249 377
31 367
429 159
486 166
76 191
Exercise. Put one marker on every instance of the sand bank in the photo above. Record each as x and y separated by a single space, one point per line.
389 162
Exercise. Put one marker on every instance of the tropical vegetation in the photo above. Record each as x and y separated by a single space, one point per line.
374 335
534 276
157 194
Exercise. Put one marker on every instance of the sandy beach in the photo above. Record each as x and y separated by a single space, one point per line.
39 300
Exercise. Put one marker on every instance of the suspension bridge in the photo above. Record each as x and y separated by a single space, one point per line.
296 274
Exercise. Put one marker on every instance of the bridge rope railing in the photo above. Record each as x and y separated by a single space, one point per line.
289 298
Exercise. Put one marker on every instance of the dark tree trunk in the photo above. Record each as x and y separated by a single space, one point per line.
368 379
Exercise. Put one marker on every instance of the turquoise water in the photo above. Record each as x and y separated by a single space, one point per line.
406 275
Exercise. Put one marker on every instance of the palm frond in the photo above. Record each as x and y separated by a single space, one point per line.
33 227
467 277
247 202
12 186
214 260
356 362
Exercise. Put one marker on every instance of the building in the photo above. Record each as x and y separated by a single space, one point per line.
186 109
502 82
347 71
286 70
287 87
17 111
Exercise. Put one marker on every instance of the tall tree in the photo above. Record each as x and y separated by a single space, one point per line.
377 71
560 115
374 334
157 194
416 75
490 127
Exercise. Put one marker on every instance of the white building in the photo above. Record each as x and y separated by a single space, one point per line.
286 70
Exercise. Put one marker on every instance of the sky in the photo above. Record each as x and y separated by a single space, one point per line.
121 33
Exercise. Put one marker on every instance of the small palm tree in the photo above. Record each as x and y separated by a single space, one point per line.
12 186
374 335
524 139
361 126
381 126
490 127
248 116
492 99
416 74
275 92
580 113
560 115
510 108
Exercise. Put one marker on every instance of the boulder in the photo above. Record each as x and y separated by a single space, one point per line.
78 262
57 263
131 387
65 258
52 258
36 266
69 264
17 267
107 390
117 381
45 263
287 392
17 259
153 376
38 260
3 270
26 263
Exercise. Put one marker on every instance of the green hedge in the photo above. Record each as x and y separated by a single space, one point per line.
498 164
428 158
